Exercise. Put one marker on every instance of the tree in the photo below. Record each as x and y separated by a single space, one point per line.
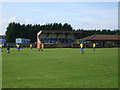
67 27
10 37
29 31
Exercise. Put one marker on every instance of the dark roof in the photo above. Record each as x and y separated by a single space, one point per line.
60 31
101 37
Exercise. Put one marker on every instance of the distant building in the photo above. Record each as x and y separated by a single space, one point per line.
2 39
53 36
57 38
102 40
22 41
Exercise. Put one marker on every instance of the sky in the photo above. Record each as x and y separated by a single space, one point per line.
81 15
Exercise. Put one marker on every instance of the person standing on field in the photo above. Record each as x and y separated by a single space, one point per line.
8 48
1 46
94 45
40 46
18 47
81 48
31 46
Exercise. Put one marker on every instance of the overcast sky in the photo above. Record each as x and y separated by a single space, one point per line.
81 15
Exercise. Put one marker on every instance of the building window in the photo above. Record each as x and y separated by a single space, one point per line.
109 42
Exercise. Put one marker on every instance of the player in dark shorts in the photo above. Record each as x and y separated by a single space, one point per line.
18 47
40 47
8 48
1 46
31 46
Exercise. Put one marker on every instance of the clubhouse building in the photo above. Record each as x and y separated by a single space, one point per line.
102 40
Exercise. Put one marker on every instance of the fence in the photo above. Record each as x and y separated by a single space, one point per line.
45 45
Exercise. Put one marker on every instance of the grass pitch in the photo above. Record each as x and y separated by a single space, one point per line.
60 68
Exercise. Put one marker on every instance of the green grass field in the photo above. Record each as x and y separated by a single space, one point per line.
60 68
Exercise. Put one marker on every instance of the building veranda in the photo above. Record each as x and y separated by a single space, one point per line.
102 41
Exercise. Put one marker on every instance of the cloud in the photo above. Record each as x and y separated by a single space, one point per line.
12 19
79 15
5 21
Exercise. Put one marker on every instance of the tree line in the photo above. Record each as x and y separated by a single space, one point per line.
86 33
29 31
